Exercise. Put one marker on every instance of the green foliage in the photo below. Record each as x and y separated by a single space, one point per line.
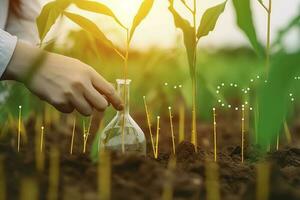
89 26
209 19
188 34
96 7
245 23
49 16
141 14
274 96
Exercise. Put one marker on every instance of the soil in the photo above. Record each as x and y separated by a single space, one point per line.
140 177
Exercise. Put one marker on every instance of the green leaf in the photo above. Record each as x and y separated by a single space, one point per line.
90 27
274 99
245 23
209 19
96 7
188 34
140 16
49 15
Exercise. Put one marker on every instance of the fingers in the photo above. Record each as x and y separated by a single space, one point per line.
80 103
95 98
107 90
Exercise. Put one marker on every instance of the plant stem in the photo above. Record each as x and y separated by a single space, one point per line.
269 11
149 125
194 86
125 82
172 130
73 134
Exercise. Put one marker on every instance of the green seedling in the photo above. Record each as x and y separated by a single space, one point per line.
181 123
19 127
215 134
42 139
104 175
192 35
172 130
39 154
243 134
169 179
73 134
149 125
53 184
157 137
86 134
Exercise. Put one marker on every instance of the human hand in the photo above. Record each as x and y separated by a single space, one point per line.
64 82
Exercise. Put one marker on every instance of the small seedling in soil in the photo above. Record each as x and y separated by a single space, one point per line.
215 135
169 179
104 175
181 123
19 127
42 139
39 154
73 134
243 133
53 174
192 35
149 125
2 179
277 142
86 134
262 181
212 181
29 189
172 130
157 137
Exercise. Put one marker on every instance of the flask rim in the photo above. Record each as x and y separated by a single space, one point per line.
123 81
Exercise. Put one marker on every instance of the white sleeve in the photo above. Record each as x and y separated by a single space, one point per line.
7 47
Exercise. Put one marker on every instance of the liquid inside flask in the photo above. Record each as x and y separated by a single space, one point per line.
123 134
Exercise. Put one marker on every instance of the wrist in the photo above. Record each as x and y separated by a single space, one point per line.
23 61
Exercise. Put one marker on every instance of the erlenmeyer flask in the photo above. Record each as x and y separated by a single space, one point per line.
122 133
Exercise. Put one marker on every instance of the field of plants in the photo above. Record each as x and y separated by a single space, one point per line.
197 124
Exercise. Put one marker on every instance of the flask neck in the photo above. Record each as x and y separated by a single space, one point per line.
124 91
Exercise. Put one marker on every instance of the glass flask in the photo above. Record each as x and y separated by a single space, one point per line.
122 133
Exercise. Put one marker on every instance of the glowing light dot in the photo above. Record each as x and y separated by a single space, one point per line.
292 99
217 91
214 109
229 106
175 87
222 84
295 77
257 77
246 102
218 87
180 86
266 81
242 90
219 100
235 85
166 83
291 94
42 128
20 107
158 117
251 108
251 80
243 119
169 107
243 106
231 84
223 104
248 89
236 108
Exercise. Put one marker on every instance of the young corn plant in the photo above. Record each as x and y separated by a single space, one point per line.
53 10
192 33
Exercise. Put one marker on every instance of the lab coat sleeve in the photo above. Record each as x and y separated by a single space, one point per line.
7 47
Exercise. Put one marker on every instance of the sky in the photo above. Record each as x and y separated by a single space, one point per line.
158 29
